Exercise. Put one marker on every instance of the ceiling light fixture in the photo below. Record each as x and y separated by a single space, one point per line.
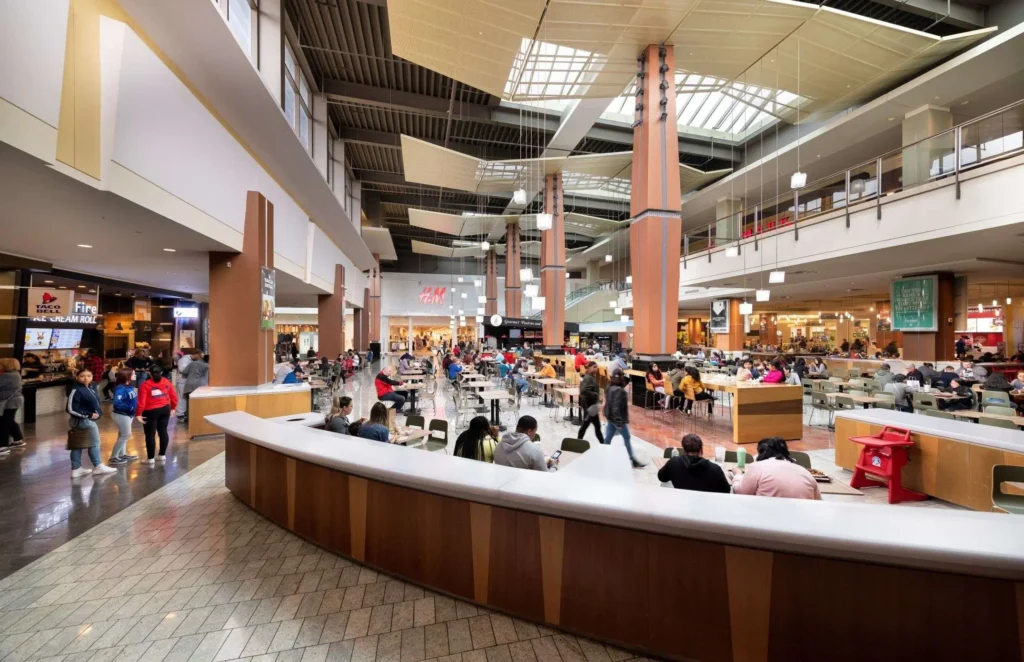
624 319
776 277
461 280
476 283
1009 301
994 303
479 319
526 275
485 245
539 303
618 311
481 299
519 197
732 251
746 308
463 295
629 280
613 304
762 295
607 258
798 180
84 246
545 221
981 308
480 311
531 291
170 250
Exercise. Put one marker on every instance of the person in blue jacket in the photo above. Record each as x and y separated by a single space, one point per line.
84 408
124 411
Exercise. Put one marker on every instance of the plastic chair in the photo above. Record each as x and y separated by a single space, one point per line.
937 413
820 402
414 421
434 441
1005 411
999 423
801 458
924 401
730 456
1010 503
996 398
574 445
808 385
668 452
889 401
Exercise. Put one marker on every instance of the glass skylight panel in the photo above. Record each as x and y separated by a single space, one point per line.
543 70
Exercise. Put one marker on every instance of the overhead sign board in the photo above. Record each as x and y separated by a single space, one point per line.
49 302
914 303
719 316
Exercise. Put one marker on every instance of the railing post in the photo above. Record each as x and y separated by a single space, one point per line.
957 145
878 189
686 248
796 215
847 199
757 225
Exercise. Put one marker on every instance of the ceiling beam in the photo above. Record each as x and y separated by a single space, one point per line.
394 141
410 102
624 136
952 13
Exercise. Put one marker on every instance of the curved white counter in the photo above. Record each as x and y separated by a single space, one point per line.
968 432
965 542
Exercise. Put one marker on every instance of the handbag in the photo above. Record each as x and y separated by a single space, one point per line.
592 411
79 438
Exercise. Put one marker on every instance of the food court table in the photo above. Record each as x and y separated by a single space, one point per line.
572 392
859 399
549 382
763 410
495 397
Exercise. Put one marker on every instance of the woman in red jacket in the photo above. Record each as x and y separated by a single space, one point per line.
157 399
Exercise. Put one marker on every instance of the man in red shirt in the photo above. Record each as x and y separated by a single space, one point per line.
581 360
93 362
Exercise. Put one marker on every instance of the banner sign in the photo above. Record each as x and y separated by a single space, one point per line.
47 302
269 285
914 304
433 295
719 316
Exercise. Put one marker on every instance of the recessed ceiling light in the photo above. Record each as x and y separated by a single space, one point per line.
169 250
964 102
891 118
48 282
84 246
92 291
81 287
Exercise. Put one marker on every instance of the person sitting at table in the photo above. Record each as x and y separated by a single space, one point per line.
700 354
693 390
546 371
946 379
405 364
775 474
927 371
293 376
818 367
454 368
619 363
376 428
971 372
914 374
997 382
745 373
478 442
901 396
1018 384
777 373
517 450
884 375
675 378
690 471
656 383
518 368
338 420
581 360
385 386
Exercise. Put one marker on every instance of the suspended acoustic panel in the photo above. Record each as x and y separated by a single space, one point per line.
691 179
426 248
378 240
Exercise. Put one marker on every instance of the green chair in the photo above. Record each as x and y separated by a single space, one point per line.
860 384
438 439
843 402
999 423
888 400
801 458
938 413
414 421
730 456
854 373
808 385
574 445
995 398
821 402
996 409
857 392
872 386
668 452
924 401
1011 503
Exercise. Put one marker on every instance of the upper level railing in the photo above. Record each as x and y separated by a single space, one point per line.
996 135
581 293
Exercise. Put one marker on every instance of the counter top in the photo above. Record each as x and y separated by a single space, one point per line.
971 433
971 543
230 391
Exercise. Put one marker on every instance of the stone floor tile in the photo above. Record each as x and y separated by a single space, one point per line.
522 651
340 651
480 629
334 627
389 647
309 633
413 645
435 640
358 624
402 617
459 638
365 649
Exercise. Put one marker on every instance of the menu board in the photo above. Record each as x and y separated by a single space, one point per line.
914 304
66 339
37 338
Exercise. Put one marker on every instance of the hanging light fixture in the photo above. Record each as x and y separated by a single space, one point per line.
1008 299
480 311
981 308
994 303
481 299
613 304
519 197
857 186
479 319
618 311
799 178
539 303
526 275
463 295
476 282
531 291
461 280
485 245
624 319
608 258
545 221
732 251
762 295
629 280
776 277
746 308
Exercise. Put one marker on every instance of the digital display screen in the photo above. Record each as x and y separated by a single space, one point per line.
66 339
37 338
515 333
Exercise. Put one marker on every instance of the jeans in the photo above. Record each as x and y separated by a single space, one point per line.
140 378
124 433
108 389
610 430
522 384
399 400
94 450
155 421
9 428
587 422
181 396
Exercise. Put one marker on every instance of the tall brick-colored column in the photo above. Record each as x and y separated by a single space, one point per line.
513 284
331 317
491 284
373 300
656 227
552 264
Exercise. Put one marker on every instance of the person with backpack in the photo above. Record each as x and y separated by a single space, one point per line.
157 398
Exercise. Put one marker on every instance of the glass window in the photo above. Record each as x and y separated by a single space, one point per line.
297 99
240 22
289 60
289 103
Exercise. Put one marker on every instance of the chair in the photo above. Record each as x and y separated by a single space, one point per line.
924 401
438 430
668 452
574 445
938 413
1010 503
801 458
1005 411
860 384
820 402
651 399
843 402
999 423
854 373
872 386
808 385
888 402
730 456
995 398
414 421
857 392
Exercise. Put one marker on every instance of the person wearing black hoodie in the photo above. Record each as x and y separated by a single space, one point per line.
690 471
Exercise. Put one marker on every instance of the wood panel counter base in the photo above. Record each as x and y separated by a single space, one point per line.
264 405
662 595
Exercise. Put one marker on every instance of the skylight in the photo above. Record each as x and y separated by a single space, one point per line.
543 70
716 108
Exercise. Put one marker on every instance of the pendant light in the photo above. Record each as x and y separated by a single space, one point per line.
545 221
799 178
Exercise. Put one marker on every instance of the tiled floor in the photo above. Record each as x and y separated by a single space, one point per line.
189 573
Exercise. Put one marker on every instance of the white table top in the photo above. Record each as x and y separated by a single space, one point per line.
988 544
971 433
493 395
309 419
265 389
470 376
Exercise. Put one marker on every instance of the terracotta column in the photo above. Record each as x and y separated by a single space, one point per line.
552 265
358 335
491 283
364 320
938 346
656 227
331 317
373 303
513 284
882 334
236 296
732 341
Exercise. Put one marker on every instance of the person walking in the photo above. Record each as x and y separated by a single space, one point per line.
84 408
616 411
125 400
11 400
197 374
590 396
156 400
184 358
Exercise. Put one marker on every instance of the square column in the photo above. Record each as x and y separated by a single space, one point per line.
552 264
359 330
241 351
939 345
655 231
331 317
373 302
733 340
513 284
491 284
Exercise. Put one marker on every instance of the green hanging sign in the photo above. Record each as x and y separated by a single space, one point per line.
914 304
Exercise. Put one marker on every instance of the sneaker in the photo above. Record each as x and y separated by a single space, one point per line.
79 472
638 464
103 469
18 444
128 457
149 461
5 451
160 459
116 461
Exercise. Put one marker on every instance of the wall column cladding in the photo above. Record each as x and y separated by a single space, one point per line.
552 264
331 317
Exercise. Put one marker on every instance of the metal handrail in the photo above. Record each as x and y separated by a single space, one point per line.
704 232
